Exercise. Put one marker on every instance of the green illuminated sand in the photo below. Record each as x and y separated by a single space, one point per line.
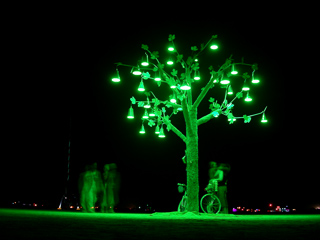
31 224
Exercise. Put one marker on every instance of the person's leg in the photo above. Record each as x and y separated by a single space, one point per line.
83 201
222 191
90 201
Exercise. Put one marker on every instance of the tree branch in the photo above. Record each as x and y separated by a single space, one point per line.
186 113
205 119
189 92
204 92
176 131
201 50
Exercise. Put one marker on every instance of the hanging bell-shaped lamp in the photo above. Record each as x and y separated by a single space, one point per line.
248 98
157 77
196 75
161 134
117 77
264 119
171 48
145 115
173 98
230 90
214 46
245 87
130 113
157 130
136 71
233 70
225 81
185 86
142 130
145 61
141 87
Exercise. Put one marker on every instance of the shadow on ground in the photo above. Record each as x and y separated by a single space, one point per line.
33 224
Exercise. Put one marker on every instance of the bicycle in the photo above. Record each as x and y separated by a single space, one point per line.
209 202
183 203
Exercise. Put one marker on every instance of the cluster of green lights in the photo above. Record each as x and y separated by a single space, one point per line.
225 82
159 131
145 63
245 88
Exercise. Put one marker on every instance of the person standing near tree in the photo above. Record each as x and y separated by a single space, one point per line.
104 201
85 184
222 186
96 185
111 186
215 175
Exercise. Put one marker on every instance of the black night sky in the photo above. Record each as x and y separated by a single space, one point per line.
60 78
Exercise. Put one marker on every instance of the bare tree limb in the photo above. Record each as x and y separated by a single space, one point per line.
204 92
186 113
205 119
176 131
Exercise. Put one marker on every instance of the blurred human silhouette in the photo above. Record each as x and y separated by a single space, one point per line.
85 189
97 187
222 187
90 184
218 179
212 170
111 185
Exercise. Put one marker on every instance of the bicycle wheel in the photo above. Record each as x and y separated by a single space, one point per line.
183 204
210 204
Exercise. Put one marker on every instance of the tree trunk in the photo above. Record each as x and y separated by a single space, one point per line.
192 163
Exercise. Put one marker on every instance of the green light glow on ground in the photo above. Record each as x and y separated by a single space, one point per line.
38 224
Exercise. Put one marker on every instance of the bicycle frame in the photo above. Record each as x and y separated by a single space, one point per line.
209 203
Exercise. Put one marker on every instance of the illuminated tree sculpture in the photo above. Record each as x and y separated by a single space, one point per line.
158 113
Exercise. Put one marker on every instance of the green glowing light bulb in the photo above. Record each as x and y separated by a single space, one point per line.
152 114
157 77
145 115
170 62
234 119
141 87
245 87
185 87
130 113
234 71
255 80
157 130
161 134
137 72
145 64
196 75
117 78
264 119
147 105
142 130
248 98
230 90
225 81
173 98
214 47
171 47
